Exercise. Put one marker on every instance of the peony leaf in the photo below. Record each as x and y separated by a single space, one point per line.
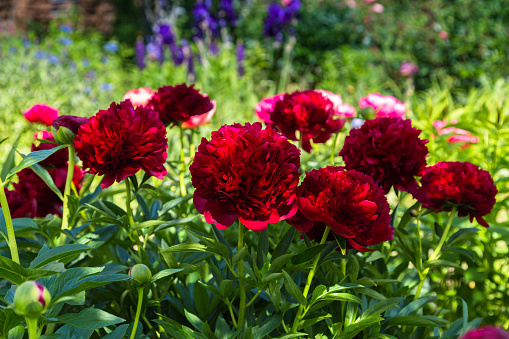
90 319
355 328
165 273
48 180
293 289
441 263
284 244
455 237
308 254
382 306
33 158
17 274
9 160
415 306
418 320
63 253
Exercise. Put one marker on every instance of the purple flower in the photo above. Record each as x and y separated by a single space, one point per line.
105 86
66 29
168 36
227 14
176 54
39 55
26 43
279 18
214 48
155 51
111 46
203 19
139 49
240 52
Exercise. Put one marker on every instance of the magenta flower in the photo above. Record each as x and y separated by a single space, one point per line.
384 106
488 332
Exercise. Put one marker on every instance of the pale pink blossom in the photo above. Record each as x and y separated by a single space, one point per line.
443 35
140 96
369 1
385 106
408 69
458 135
346 111
266 106
201 119
377 8
340 109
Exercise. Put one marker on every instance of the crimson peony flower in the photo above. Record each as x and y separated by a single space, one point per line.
41 113
349 202
486 333
247 172
310 113
140 96
179 103
31 196
120 141
385 106
460 184
57 159
201 119
387 149
264 108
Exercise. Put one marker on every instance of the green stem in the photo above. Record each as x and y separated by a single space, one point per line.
436 252
128 201
232 314
419 263
138 312
32 327
242 283
67 191
11 237
183 190
334 145
300 312
253 298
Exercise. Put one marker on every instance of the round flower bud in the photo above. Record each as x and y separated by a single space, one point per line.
31 299
141 273
430 308
414 212
65 127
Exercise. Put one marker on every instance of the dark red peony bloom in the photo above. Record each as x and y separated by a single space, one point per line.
57 159
486 333
387 149
350 202
461 184
32 198
309 112
120 141
179 103
247 172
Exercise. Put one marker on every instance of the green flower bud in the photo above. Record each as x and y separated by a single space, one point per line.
141 273
430 308
31 299
65 127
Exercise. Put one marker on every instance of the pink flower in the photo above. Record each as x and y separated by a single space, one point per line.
346 111
408 69
443 35
459 135
488 332
463 138
264 108
377 8
140 96
41 113
369 1
340 109
385 106
201 119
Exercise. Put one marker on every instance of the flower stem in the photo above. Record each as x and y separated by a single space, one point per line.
436 252
138 312
300 312
32 327
242 303
334 146
8 223
183 190
67 191
128 201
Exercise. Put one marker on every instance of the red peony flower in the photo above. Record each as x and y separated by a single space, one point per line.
310 113
264 108
460 184
486 333
57 159
349 202
41 113
179 103
31 196
387 149
247 172
140 96
201 119
120 141
385 106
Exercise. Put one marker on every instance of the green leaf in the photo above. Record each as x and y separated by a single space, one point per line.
456 236
381 306
293 289
355 328
461 251
172 203
48 180
8 321
175 222
418 320
405 219
441 263
165 273
195 247
340 297
308 254
284 244
71 332
375 256
194 320
118 333
267 326
64 253
17 274
33 158
90 319
20 225
9 160
415 306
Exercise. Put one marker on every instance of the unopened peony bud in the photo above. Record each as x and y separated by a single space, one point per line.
141 273
430 308
414 212
66 127
31 299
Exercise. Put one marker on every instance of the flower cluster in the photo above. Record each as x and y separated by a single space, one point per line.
349 202
460 184
384 106
247 172
279 18
387 149
120 141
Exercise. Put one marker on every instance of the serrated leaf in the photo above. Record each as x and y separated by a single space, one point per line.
90 319
63 253
33 158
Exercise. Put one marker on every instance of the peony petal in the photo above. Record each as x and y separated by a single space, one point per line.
219 213
359 247
199 203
